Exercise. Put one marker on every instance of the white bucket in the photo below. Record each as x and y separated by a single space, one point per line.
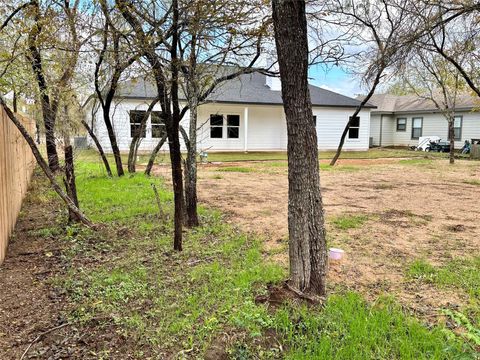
335 254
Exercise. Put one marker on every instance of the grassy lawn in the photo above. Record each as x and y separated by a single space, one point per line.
375 153
182 305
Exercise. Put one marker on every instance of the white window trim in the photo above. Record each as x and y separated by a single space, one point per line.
225 126
357 139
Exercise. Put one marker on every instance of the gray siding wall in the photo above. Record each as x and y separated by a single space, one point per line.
434 124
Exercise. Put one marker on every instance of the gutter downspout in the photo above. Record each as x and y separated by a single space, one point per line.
381 130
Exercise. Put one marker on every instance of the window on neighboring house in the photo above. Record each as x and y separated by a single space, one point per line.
457 128
315 120
216 126
417 127
354 130
136 118
401 124
158 125
233 126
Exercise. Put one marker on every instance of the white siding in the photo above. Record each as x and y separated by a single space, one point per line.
204 142
330 124
266 128
375 129
389 127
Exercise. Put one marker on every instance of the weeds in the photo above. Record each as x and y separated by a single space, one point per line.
346 222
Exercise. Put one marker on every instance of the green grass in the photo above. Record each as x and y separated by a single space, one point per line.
235 169
167 302
458 273
415 161
345 222
375 153
348 328
472 182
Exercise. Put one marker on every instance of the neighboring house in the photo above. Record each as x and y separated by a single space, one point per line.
244 114
401 120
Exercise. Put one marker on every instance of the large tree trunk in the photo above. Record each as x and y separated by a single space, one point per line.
44 166
307 243
99 147
451 135
191 170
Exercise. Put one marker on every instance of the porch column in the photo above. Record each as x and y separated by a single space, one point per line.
245 136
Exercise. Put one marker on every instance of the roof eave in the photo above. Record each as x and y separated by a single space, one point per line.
368 106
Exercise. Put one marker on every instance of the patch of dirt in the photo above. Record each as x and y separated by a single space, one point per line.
32 310
414 211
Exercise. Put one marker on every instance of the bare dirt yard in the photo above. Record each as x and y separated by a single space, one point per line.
385 213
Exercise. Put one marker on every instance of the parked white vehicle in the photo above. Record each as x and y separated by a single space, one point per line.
424 142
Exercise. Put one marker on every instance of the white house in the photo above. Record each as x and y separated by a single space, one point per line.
401 120
244 114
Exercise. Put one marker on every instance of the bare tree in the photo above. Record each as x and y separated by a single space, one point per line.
90 129
307 241
113 60
154 26
385 33
434 79
211 54
137 138
50 87
454 34
44 166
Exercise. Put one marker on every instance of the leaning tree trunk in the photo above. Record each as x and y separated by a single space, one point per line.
357 111
44 166
113 140
451 135
153 155
137 138
99 147
191 170
307 243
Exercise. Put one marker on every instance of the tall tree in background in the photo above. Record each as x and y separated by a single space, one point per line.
211 53
43 21
385 34
156 32
113 60
307 236
434 79
454 35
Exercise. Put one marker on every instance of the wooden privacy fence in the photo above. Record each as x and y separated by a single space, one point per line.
16 167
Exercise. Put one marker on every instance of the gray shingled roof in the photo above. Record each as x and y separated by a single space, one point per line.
246 89
387 103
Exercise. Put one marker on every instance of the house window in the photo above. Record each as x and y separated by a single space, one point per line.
457 128
354 130
136 118
216 126
233 126
401 124
417 126
224 124
315 120
158 125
